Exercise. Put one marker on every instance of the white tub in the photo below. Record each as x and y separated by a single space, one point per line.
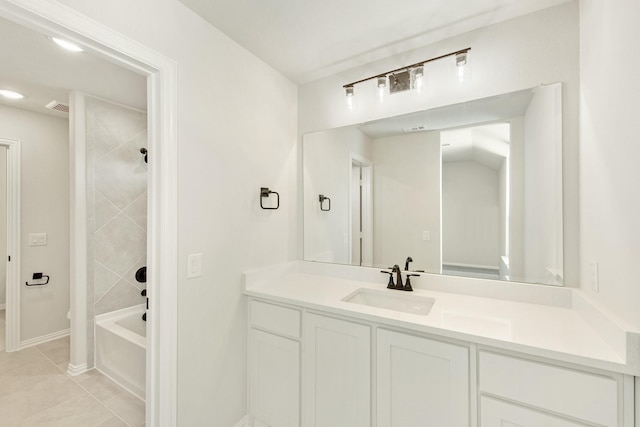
121 351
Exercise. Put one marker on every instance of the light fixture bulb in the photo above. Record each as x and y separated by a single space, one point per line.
461 59
72 47
349 91
418 77
11 94
382 82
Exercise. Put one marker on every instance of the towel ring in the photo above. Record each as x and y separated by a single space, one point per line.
264 193
322 199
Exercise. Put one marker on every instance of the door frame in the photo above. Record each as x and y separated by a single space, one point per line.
366 257
12 327
54 18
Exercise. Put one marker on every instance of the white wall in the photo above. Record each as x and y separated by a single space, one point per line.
542 178
406 200
327 169
516 199
44 209
609 153
525 52
237 132
470 214
502 206
3 226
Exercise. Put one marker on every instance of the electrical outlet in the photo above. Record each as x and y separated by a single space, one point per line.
194 266
593 271
426 235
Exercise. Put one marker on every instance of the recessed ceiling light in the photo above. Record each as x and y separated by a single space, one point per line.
66 44
11 94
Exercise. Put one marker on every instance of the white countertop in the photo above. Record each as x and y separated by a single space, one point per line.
555 331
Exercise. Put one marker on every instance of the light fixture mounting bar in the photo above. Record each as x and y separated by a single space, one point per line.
408 67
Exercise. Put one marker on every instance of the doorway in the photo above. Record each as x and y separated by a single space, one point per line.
10 223
3 244
361 211
56 19
475 200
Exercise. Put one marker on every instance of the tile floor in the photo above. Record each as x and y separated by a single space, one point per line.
36 391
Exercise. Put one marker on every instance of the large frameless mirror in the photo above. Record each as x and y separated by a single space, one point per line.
471 189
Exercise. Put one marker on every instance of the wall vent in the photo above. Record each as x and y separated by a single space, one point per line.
58 106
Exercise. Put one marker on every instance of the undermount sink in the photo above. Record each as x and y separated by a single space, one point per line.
392 300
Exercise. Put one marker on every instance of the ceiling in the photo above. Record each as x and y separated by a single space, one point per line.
309 39
303 39
42 71
492 109
487 145
472 131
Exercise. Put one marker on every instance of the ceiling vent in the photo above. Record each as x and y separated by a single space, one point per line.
58 106
415 129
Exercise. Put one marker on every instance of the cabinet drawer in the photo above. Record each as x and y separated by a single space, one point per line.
495 413
274 318
582 395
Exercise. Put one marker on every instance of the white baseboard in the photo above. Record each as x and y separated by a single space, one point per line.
74 370
244 422
249 421
44 338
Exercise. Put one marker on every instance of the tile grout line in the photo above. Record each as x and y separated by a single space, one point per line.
120 278
83 388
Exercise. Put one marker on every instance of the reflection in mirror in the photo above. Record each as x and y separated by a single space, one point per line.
472 189
474 206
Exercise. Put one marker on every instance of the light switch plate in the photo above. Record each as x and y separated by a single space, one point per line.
37 239
194 266
426 235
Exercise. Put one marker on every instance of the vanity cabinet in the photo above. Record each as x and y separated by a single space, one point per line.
314 369
336 373
274 364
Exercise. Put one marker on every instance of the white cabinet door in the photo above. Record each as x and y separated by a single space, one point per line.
496 413
336 373
421 382
274 379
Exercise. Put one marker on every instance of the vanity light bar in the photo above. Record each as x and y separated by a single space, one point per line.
461 60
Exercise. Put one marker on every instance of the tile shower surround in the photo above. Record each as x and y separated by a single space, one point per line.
117 209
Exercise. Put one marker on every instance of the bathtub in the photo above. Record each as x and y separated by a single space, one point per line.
121 352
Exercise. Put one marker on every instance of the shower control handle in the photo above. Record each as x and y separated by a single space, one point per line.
141 274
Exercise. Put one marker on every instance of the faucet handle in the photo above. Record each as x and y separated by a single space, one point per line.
390 285
407 286
398 272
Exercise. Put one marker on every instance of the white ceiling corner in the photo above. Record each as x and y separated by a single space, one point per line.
309 39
